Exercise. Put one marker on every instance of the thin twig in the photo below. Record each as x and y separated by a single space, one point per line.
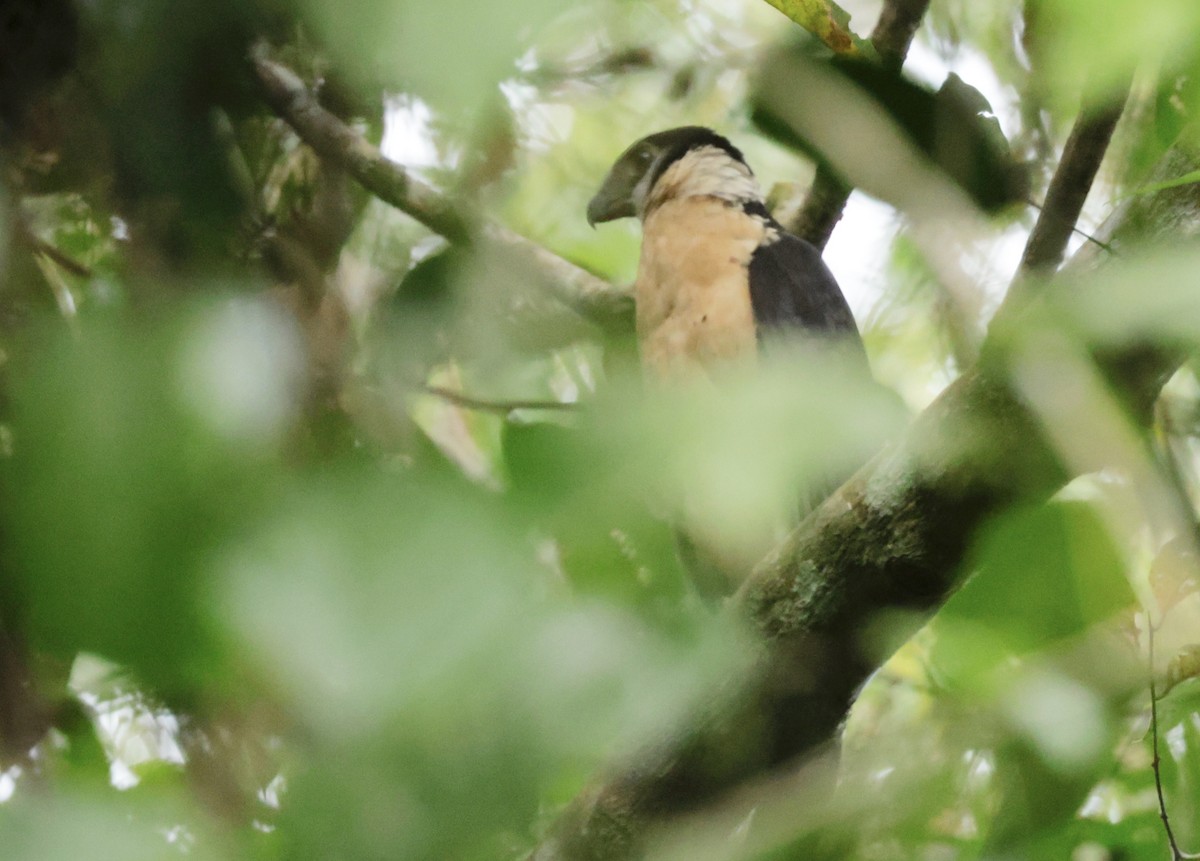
1099 243
489 406
1177 854
1173 468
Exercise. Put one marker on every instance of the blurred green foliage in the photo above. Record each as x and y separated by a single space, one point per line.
295 604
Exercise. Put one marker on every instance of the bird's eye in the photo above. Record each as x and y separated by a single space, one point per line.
644 156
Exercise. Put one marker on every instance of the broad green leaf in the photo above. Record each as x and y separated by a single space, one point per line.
1075 47
138 448
404 622
1042 575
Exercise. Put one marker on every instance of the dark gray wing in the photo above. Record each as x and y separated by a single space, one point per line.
790 286
794 295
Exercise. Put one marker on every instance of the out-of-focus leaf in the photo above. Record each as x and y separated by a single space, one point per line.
1066 722
1186 817
1179 704
452 53
732 460
40 827
1074 47
137 450
624 553
163 71
1036 802
1185 665
1185 179
1179 764
399 619
828 21
1145 298
953 128
1041 575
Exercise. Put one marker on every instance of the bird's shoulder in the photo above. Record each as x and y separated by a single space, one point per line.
790 284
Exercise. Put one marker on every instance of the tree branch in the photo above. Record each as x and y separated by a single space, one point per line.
826 200
1082 155
332 139
892 537
894 31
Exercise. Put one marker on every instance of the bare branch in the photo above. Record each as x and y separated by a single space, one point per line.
1081 159
1177 854
334 140
822 208
894 31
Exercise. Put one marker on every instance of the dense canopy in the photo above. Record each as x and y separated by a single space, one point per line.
338 521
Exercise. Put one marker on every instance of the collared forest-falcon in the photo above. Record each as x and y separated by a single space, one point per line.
718 277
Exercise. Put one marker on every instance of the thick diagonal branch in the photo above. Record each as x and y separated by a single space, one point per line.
333 140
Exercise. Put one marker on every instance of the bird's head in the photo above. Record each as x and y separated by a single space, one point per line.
682 162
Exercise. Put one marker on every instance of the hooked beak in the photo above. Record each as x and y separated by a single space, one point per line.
614 200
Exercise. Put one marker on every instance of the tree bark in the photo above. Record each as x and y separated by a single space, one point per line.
1083 152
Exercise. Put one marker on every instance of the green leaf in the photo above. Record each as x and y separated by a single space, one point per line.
452 53
1074 45
137 451
1042 575
828 21
399 620
1152 187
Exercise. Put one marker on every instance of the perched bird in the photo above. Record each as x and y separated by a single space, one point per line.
718 277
